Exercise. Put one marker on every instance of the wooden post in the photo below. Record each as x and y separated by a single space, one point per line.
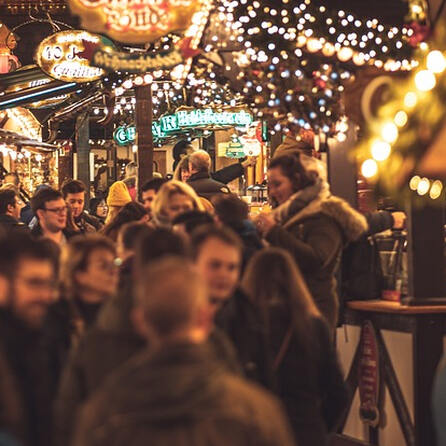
144 117
83 153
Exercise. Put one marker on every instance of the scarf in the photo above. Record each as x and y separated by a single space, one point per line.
301 199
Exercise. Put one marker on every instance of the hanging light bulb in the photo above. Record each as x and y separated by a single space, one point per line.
380 150
436 61
369 168
425 80
345 54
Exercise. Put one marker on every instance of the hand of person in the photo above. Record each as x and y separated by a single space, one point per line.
249 162
399 220
264 223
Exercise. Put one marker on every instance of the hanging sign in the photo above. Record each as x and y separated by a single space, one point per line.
369 376
184 120
62 57
135 21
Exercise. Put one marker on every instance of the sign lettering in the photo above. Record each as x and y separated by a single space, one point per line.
135 21
187 119
62 57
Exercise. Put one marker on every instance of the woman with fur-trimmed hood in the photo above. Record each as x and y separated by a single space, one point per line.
311 224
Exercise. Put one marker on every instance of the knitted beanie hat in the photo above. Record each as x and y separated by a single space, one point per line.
118 195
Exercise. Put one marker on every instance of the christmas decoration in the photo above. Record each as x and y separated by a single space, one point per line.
403 149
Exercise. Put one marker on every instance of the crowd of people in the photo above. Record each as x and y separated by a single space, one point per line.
173 317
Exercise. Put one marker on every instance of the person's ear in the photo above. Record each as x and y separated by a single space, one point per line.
39 213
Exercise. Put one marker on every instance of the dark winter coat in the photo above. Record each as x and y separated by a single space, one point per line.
309 380
205 186
36 232
65 325
180 396
88 223
26 390
228 173
316 236
11 224
240 321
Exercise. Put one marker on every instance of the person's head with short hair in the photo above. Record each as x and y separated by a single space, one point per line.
74 194
51 210
159 243
174 198
149 191
98 207
28 269
171 303
230 210
88 269
132 211
9 204
217 253
189 221
199 161
129 236
12 178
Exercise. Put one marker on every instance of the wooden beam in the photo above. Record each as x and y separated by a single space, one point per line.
144 116
83 153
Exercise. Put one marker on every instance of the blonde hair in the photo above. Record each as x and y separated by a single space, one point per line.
167 190
113 211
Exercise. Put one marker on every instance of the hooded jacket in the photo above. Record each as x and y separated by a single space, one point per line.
180 396
315 234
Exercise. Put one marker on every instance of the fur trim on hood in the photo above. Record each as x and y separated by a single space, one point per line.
352 223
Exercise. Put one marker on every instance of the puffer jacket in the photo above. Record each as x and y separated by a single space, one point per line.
315 236
205 186
180 396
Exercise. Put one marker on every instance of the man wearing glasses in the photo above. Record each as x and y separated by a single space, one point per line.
51 210
27 288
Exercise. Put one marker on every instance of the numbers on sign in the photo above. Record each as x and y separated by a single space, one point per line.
53 52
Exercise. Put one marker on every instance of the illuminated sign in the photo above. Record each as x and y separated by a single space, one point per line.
46 103
61 56
184 120
135 21
111 60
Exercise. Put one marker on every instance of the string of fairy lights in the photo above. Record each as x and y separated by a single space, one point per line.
297 57
407 125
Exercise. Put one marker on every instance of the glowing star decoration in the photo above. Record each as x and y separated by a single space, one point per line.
135 21
61 56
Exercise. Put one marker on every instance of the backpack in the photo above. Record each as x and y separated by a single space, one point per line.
361 272
361 276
